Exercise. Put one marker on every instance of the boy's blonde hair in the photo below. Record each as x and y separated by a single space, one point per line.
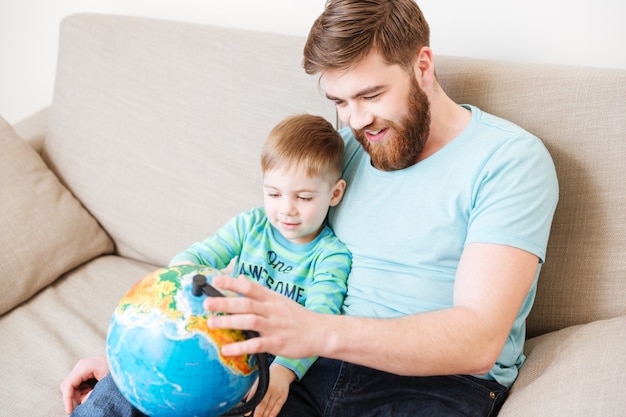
304 142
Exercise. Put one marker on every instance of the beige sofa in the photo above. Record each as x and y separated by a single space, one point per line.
152 141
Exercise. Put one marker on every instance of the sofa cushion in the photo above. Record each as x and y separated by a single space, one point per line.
572 372
45 230
44 337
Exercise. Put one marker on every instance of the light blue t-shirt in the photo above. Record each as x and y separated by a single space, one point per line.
494 183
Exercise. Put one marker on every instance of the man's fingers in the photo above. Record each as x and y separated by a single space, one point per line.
230 305
249 346
241 285
236 317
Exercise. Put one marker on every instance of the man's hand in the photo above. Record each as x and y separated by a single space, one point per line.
76 386
286 328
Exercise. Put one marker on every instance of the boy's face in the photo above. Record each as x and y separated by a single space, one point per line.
296 204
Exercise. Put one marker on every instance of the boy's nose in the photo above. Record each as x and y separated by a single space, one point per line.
288 208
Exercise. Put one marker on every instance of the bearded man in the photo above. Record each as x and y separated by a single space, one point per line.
447 213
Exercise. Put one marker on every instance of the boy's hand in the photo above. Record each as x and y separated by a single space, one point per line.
76 386
277 391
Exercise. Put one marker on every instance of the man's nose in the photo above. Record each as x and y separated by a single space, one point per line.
359 117
355 116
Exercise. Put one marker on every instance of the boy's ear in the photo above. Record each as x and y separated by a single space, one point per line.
338 189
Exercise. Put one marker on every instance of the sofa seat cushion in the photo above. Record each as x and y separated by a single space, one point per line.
45 230
65 322
572 372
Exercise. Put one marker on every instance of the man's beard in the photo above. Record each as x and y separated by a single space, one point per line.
403 142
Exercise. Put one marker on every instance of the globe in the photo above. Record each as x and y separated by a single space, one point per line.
163 356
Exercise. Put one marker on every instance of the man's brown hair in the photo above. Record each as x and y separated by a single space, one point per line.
348 30
306 142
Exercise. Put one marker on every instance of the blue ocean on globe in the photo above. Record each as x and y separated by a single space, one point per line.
164 358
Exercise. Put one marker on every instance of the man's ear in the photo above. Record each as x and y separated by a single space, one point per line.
338 190
424 67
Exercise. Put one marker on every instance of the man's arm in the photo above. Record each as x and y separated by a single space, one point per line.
492 282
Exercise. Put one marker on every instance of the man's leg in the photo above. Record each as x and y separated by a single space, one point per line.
308 397
351 390
106 401
369 393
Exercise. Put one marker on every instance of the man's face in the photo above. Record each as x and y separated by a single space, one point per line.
385 107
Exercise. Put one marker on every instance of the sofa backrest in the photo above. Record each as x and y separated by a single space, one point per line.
580 114
134 95
157 126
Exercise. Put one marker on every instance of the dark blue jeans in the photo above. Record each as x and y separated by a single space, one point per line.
336 389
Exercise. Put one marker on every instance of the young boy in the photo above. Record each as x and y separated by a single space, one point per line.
286 245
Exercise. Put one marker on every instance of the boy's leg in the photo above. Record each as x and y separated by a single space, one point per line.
106 401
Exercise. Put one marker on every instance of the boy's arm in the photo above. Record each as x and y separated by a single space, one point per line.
208 252
217 250
329 287
297 366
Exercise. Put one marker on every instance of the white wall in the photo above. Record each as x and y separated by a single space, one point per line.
555 31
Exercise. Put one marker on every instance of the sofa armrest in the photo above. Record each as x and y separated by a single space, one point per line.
33 128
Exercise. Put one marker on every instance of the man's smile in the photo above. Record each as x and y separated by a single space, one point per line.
375 135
